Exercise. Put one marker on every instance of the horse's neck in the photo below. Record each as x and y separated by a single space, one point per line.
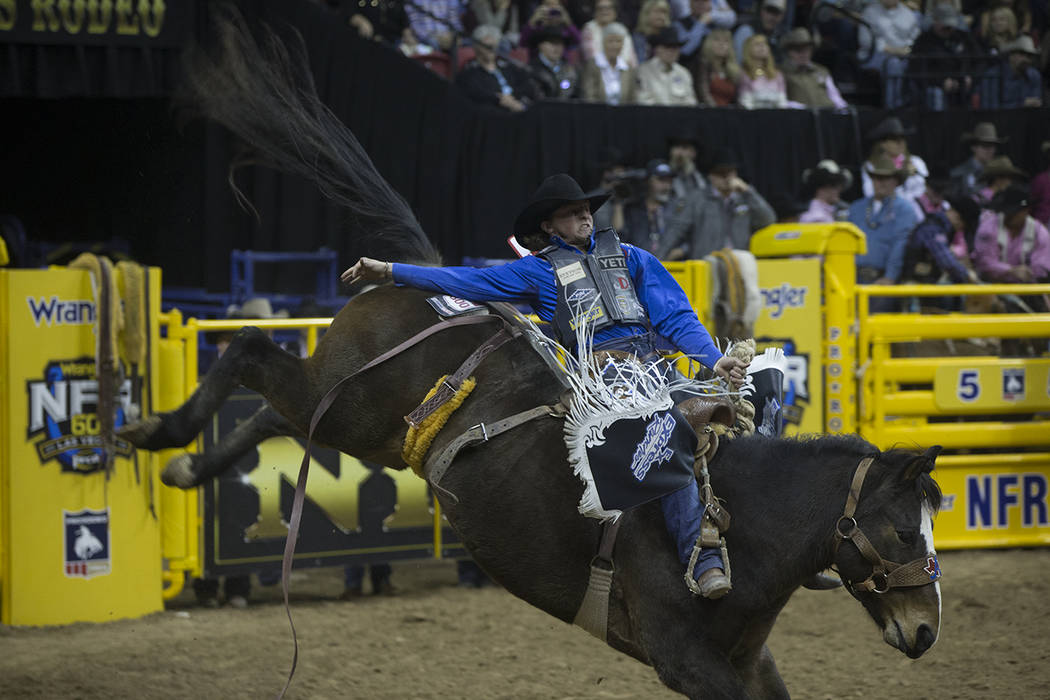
784 511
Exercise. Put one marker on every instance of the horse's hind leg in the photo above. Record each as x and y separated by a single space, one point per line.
189 470
252 359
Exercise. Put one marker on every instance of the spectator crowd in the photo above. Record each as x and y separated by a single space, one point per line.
932 54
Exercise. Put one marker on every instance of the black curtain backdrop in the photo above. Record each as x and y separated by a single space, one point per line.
92 168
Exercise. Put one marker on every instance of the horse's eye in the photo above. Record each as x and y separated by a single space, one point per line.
907 536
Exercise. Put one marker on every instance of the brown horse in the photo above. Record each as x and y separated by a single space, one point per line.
513 498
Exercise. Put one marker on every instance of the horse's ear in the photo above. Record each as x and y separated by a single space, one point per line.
921 464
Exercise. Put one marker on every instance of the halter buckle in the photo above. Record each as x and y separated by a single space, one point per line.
852 525
875 587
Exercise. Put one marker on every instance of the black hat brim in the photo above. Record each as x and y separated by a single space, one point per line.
529 220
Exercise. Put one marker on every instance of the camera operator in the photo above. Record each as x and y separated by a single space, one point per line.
624 185
646 217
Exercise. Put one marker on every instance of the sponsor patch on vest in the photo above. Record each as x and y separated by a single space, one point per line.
613 262
570 273
593 314
447 306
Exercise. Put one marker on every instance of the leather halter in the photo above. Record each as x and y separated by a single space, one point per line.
885 574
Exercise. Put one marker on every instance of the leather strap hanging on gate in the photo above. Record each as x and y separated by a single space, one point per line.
300 485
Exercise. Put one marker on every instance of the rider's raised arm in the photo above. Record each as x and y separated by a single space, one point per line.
513 282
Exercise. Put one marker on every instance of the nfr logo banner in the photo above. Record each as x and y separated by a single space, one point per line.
63 405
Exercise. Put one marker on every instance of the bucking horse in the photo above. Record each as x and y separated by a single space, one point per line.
799 506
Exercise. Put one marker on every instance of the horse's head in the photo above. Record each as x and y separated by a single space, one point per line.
886 555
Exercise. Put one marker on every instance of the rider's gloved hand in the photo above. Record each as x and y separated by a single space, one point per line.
732 370
368 270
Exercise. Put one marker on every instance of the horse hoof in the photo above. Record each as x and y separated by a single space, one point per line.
179 472
140 432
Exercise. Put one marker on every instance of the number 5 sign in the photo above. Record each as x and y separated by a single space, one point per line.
969 387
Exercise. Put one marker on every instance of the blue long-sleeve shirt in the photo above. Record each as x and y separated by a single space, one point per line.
887 233
531 280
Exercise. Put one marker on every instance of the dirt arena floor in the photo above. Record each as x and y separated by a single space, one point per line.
435 640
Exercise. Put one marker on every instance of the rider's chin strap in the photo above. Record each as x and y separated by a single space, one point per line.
885 574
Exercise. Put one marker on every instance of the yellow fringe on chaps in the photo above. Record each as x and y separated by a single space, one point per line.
418 440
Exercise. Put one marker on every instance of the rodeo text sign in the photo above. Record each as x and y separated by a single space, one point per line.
152 22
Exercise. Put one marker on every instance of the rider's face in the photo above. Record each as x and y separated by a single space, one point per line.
572 223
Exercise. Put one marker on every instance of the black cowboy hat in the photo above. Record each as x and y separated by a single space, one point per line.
555 191
827 172
678 138
720 159
1011 200
668 36
787 207
968 209
550 32
890 128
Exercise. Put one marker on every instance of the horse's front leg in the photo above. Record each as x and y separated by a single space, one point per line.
762 677
189 470
252 359
689 663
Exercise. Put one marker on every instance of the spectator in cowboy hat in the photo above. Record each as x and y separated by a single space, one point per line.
768 23
886 219
492 80
722 216
999 174
932 253
1011 246
608 77
1014 82
808 83
555 77
1041 189
890 138
646 219
825 183
661 79
983 141
682 152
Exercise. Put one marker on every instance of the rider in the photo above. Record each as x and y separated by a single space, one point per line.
557 226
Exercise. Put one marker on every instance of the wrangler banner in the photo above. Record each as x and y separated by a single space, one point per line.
77 544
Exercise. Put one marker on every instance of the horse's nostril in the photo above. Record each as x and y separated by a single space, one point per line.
924 639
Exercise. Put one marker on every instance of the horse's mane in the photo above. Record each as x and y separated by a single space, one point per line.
263 91
825 447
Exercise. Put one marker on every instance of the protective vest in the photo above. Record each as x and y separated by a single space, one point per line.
1027 240
595 288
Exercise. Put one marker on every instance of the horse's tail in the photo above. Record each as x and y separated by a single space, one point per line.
263 91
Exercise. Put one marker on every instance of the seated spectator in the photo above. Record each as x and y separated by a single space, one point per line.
889 138
694 28
549 13
661 79
682 151
653 19
808 83
593 35
493 80
886 219
646 219
382 20
934 199
1011 246
930 257
999 174
607 77
943 61
722 12
996 28
556 79
761 85
983 142
1014 82
435 22
410 44
717 72
1041 189
825 182
722 216
768 23
894 27
504 15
